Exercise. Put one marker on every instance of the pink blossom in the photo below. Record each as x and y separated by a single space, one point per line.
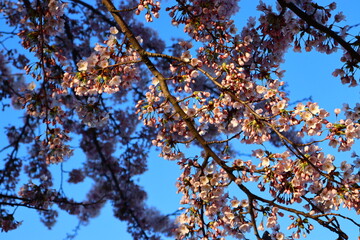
82 65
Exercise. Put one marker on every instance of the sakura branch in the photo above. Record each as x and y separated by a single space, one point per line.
308 19
219 91
261 120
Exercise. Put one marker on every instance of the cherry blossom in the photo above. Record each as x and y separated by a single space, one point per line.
96 79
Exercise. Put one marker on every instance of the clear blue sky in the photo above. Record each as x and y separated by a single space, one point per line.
308 74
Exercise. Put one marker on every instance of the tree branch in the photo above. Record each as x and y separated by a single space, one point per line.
309 20
188 120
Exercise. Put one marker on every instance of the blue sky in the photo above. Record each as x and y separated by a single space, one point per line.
308 74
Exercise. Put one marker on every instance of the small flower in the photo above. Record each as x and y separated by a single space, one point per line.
103 64
260 89
229 215
258 153
141 7
167 149
357 162
265 162
281 104
111 40
339 17
82 65
271 222
194 73
186 45
204 180
279 236
113 30
31 86
191 112
185 56
195 62
314 108
261 226
300 107
115 81
99 48
244 227
155 81
235 203
306 116
183 230
345 166
328 166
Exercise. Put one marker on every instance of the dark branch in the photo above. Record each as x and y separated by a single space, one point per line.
309 20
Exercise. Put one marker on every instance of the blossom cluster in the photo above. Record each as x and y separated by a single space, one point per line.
205 192
218 90
205 20
104 71
152 8
253 107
